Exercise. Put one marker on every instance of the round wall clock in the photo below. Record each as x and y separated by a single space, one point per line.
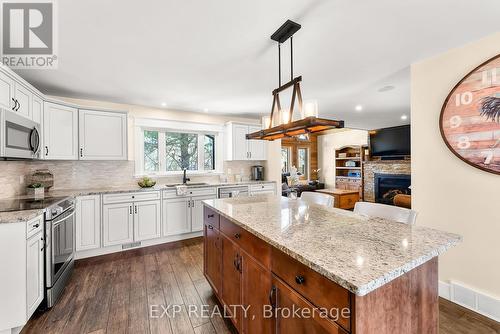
470 117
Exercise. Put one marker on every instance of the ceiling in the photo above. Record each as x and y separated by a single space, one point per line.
216 55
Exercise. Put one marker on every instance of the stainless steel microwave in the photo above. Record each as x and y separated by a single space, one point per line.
19 136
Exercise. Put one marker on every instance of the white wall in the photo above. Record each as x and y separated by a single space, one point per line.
328 143
447 193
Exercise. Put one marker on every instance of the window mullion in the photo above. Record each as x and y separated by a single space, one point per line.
201 152
162 152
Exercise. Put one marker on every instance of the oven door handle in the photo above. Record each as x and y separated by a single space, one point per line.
59 221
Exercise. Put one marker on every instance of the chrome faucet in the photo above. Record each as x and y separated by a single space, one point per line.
184 178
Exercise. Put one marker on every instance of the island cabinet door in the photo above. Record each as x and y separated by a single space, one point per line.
305 319
231 280
255 288
212 256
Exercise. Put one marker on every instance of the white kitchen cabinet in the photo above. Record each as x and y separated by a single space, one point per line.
238 147
37 109
256 148
102 135
60 132
88 222
197 212
176 216
24 97
147 220
34 272
262 189
118 224
6 91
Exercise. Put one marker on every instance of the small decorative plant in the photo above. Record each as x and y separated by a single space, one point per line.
36 189
35 185
146 182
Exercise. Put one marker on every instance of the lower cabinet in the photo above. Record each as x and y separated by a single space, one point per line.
212 256
88 222
311 321
132 221
231 280
34 271
118 224
183 214
147 221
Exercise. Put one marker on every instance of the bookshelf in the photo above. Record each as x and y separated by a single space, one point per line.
349 168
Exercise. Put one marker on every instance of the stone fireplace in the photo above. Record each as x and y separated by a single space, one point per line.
389 185
387 167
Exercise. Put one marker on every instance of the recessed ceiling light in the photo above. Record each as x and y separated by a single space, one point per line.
404 117
205 110
164 104
358 107
386 88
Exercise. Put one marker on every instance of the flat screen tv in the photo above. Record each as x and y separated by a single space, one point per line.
390 142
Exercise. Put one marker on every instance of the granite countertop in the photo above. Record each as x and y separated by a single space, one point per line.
27 215
19 216
357 252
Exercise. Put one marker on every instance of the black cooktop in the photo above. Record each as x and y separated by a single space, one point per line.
28 203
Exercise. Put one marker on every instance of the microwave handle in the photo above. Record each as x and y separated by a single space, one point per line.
34 141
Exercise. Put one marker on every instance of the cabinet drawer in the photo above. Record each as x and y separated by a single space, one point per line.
210 217
348 201
317 289
131 197
34 226
262 187
255 247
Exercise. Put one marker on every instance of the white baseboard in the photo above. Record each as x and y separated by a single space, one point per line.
114 249
470 298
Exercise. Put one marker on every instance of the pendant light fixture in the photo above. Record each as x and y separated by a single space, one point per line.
280 123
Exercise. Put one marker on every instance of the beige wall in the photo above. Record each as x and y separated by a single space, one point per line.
328 143
447 193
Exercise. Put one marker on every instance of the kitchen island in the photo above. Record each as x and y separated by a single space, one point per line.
281 266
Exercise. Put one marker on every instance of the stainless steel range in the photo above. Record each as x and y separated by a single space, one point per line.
59 248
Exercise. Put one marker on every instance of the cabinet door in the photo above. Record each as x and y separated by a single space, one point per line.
176 216
212 256
231 279
256 148
34 272
23 97
197 212
240 147
118 224
102 135
88 222
147 220
286 298
255 287
37 109
6 91
60 132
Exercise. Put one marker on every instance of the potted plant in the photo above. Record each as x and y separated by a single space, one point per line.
36 190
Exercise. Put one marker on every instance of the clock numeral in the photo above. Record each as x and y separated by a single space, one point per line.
488 157
490 77
455 121
463 143
463 99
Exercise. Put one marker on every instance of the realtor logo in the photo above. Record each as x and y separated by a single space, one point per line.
28 34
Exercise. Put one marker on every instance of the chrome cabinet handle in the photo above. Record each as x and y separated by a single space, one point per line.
46 150
15 104
18 105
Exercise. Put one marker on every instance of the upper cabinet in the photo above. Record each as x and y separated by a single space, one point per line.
60 132
23 99
6 91
102 135
238 147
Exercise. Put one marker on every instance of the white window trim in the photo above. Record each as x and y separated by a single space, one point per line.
160 125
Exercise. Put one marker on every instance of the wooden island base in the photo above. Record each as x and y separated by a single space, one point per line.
246 272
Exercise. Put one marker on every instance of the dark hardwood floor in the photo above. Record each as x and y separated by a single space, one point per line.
115 293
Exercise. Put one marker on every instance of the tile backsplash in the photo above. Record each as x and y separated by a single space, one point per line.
94 174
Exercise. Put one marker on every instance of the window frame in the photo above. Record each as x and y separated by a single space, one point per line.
308 161
163 126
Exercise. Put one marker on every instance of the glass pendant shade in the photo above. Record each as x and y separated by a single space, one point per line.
266 122
310 109
285 116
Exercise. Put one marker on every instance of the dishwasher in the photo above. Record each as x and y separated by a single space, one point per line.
238 191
